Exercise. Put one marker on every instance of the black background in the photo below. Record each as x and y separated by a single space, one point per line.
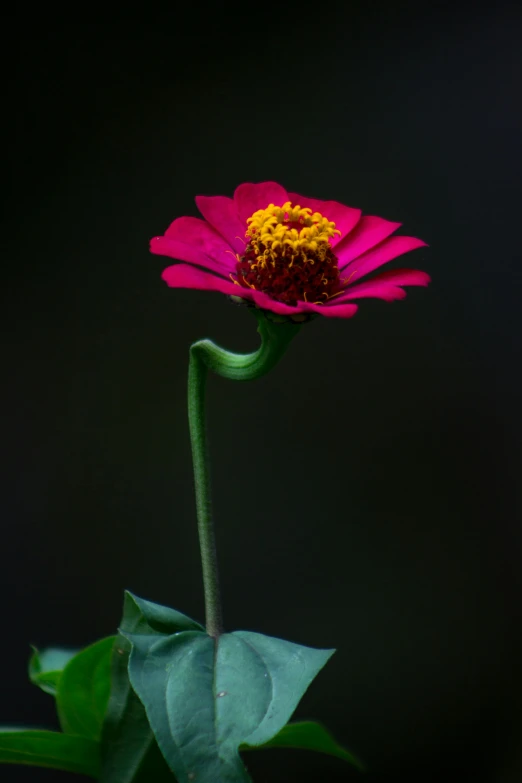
367 490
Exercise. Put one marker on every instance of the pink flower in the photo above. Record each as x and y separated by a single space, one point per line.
285 253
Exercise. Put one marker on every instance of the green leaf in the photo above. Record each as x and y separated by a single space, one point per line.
144 617
203 702
309 735
130 753
50 749
45 668
83 690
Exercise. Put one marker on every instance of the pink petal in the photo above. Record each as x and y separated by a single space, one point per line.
250 197
266 303
334 311
373 259
345 218
369 232
373 290
221 213
200 235
164 246
384 286
403 277
186 276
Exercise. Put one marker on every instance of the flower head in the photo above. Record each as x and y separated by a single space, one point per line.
287 254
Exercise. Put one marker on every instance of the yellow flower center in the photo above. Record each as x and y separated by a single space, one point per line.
299 232
288 255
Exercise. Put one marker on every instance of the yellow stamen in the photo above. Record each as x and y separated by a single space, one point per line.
236 255
245 281
332 296
346 280
294 228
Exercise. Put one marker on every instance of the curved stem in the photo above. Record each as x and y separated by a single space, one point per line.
204 355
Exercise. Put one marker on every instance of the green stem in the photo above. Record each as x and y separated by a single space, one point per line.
204 355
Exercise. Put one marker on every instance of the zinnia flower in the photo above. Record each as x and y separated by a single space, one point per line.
285 253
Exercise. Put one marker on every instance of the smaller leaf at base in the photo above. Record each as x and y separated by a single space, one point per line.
144 617
38 748
83 690
308 735
45 667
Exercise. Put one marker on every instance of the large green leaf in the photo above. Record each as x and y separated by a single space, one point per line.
83 690
203 701
308 735
50 749
130 753
45 667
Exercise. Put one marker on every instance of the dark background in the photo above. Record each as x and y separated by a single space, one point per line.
367 490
